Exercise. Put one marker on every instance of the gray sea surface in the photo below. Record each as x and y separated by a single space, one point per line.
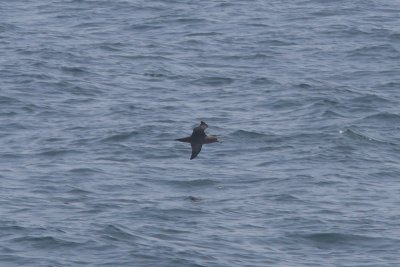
303 94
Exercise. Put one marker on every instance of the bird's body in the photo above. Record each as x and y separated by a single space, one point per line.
198 138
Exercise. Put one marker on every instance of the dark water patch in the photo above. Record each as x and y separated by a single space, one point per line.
332 239
375 51
102 207
250 135
145 57
112 46
386 174
275 42
56 152
191 183
64 86
213 81
76 71
285 197
16 126
115 158
54 140
304 85
202 34
330 114
119 137
389 85
45 189
318 103
190 20
264 81
154 74
370 99
171 213
126 201
8 114
384 118
4 100
78 191
285 104
193 199
357 135
395 36
85 171
45 242
8 27
267 163
125 108
239 58
192 43
145 27
161 74
78 101
117 233
8 229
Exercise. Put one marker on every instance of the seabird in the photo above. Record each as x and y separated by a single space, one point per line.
198 138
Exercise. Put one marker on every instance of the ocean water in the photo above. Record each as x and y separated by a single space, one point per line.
304 96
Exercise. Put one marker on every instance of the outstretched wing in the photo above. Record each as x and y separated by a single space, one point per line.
196 148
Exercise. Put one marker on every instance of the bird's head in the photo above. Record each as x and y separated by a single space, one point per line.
202 123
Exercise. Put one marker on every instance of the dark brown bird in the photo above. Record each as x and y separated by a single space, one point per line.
198 138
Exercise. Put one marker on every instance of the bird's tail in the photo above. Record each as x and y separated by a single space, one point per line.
186 139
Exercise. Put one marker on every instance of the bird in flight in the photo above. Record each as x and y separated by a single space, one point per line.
198 138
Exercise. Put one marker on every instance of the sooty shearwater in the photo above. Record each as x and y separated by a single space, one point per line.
198 138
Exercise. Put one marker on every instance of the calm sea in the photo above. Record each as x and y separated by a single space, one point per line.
304 96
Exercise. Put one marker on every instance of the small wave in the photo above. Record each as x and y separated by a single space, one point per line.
57 152
213 81
10 228
115 232
332 238
283 104
361 136
192 183
120 136
329 237
84 170
4 100
145 57
263 81
154 74
370 99
190 20
78 191
332 114
145 27
249 134
193 199
286 197
275 42
385 116
395 35
261 25
372 51
303 85
192 43
390 85
356 134
77 71
45 241
202 34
